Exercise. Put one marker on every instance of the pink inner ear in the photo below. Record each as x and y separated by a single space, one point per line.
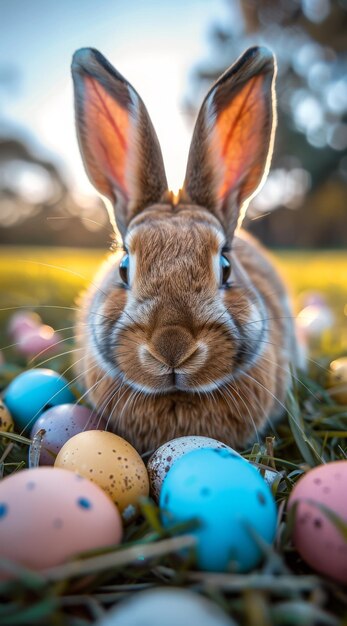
107 127
239 140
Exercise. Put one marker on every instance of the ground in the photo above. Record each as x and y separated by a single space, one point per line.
284 590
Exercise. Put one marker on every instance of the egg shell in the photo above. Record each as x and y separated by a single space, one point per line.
337 380
230 498
316 538
61 423
33 392
164 457
48 515
110 462
166 607
22 322
6 421
37 340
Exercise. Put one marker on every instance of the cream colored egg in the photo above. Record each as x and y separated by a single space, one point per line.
110 462
337 380
6 421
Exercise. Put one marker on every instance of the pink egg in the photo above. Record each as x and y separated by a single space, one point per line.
41 339
22 322
317 539
48 515
61 423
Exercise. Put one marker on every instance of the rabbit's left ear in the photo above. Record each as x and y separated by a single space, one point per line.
119 146
233 139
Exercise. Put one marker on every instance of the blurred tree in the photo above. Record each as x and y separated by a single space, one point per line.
36 205
32 187
309 168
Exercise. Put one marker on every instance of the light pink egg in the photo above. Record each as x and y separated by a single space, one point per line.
315 536
47 515
37 340
61 423
22 322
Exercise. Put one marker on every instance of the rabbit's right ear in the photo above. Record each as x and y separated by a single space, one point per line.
233 139
119 146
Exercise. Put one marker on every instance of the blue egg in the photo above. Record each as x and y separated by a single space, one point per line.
232 502
34 391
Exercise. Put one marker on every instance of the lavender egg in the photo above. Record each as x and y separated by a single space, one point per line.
61 423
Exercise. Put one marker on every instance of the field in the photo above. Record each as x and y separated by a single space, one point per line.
284 591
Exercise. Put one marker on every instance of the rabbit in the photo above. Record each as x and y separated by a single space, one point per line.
188 329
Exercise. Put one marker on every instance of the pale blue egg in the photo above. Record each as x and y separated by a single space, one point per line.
232 502
34 391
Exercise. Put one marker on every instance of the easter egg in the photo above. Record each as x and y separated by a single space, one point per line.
61 423
110 462
229 498
33 392
164 457
6 421
317 539
22 322
337 380
41 339
48 515
166 607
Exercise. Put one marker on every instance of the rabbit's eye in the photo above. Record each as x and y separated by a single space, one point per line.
124 269
225 269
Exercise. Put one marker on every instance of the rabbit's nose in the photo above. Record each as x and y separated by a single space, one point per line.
172 345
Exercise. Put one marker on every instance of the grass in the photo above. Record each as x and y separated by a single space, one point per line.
283 591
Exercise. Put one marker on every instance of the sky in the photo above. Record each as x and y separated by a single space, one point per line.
153 43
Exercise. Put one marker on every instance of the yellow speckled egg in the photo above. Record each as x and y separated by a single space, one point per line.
6 421
337 380
110 462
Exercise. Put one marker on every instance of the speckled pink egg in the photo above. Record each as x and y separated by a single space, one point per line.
22 322
47 515
61 423
315 536
37 340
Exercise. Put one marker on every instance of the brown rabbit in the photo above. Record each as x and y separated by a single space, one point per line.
188 329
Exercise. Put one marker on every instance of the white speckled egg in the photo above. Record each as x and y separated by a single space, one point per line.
164 457
318 540
110 462
166 607
48 515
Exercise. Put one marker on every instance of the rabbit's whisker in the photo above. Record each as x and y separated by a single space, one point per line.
49 400
45 350
67 270
234 387
54 356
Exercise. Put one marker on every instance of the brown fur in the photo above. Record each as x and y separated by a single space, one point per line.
179 352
